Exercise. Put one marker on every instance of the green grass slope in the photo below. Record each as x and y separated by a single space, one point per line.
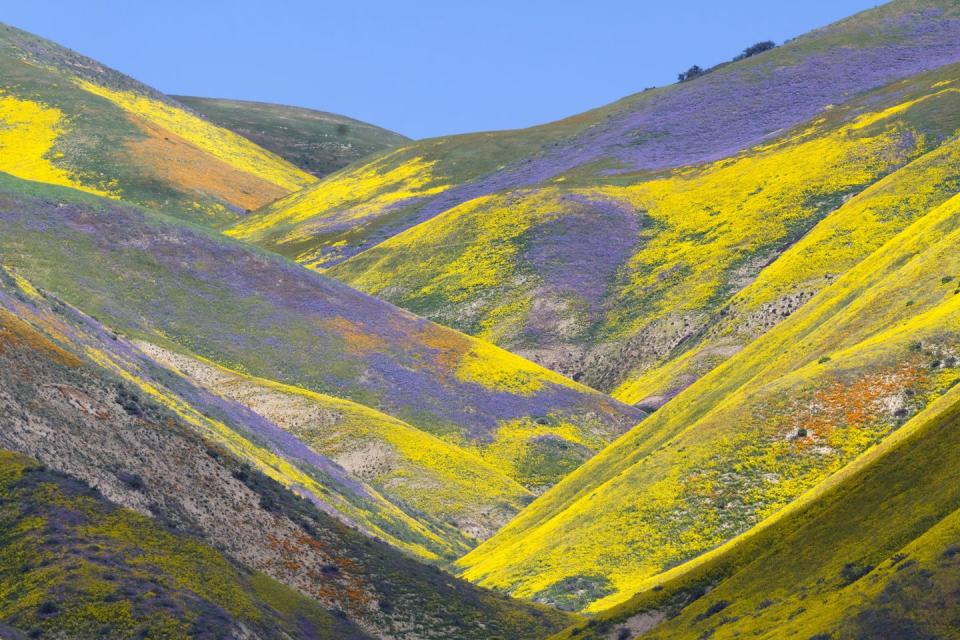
68 120
316 141
872 553
837 376
81 400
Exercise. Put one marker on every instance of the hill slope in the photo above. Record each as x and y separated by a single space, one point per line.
841 373
601 246
68 120
73 398
431 478
195 292
872 553
317 142
73 566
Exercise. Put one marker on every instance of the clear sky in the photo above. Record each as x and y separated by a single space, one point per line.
421 67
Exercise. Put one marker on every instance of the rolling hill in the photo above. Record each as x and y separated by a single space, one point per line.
316 141
684 366
74 122
836 377
607 245
229 510
195 292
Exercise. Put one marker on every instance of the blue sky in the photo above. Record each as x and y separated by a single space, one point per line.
422 68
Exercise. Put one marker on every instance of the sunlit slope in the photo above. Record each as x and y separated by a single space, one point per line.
68 120
82 400
255 313
607 281
846 236
837 376
710 118
872 553
253 439
428 477
316 141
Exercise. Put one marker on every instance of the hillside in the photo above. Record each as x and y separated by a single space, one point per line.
57 529
68 120
315 141
848 368
872 553
605 245
231 512
192 291
431 478
683 366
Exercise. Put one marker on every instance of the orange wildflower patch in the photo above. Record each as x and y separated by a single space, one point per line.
15 333
450 347
189 168
357 339
854 404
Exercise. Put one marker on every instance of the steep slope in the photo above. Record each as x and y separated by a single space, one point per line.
73 565
601 246
845 370
69 120
65 403
252 439
431 478
197 292
317 142
871 554
609 280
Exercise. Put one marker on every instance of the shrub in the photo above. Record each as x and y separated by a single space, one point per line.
693 72
132 480
47 608
713 609
754 49
853 571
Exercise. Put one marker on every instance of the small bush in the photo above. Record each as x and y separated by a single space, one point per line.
853 571
47 608
823 359
754 49
713 609
693 72
132 480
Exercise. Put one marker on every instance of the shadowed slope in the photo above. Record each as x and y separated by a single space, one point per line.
316 141
68 403
69 120
251 438
73 565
